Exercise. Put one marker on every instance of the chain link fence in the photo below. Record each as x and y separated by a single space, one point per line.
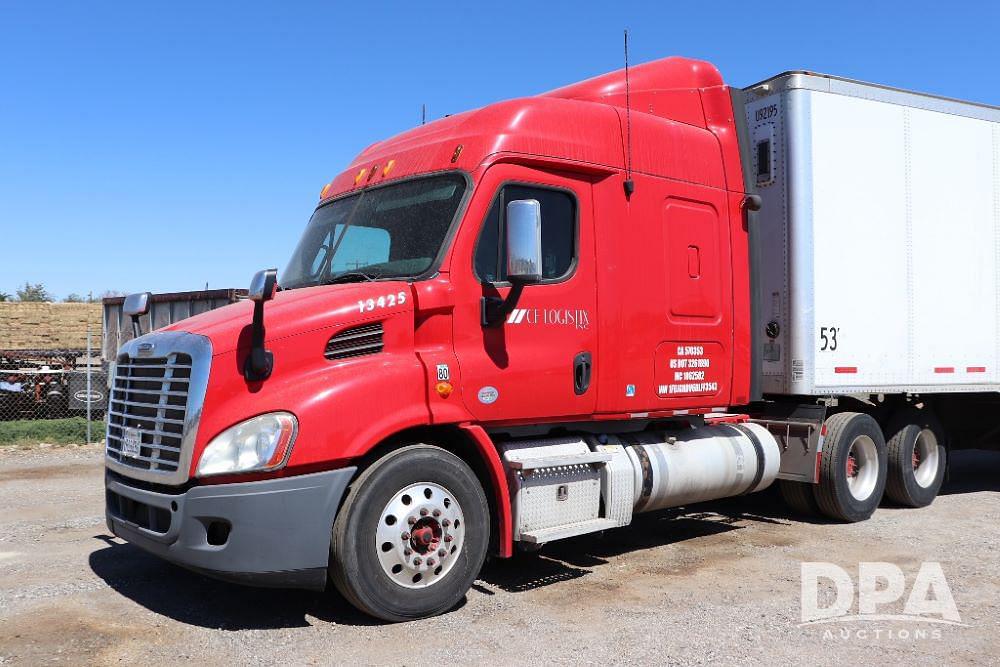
56 396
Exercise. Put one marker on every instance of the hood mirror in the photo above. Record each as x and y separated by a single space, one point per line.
260 362
263 285
135 306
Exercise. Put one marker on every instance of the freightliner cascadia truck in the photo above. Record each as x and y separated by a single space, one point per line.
537 319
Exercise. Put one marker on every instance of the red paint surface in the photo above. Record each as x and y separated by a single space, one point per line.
664 269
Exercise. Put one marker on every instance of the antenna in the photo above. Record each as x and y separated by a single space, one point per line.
629 184
423 114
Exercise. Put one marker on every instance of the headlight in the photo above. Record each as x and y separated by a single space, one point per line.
261 443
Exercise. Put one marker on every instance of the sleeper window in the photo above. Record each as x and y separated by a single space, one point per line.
558 233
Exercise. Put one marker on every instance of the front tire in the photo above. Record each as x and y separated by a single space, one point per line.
853 466
411 536
917 459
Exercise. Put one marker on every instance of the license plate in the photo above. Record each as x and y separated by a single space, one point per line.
131 442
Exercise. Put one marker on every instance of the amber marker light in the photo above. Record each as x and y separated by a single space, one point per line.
361 175
443 389
388 167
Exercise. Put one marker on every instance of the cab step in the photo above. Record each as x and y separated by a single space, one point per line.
562 460
568 530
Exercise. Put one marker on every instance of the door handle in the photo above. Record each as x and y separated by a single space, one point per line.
582 367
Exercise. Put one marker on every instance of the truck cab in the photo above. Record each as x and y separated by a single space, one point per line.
502 328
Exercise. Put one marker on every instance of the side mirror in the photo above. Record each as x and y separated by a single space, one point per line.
135 306
524 241
524 258
263 285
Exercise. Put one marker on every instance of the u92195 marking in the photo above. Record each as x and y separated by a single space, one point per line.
384 301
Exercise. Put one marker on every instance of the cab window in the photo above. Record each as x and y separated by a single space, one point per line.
558 233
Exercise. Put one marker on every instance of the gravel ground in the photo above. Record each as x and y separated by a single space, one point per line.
717 582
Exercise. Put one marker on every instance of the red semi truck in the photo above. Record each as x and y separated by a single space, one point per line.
533 320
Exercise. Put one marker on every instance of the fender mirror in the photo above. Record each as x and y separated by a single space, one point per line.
135 306
260 361
263 285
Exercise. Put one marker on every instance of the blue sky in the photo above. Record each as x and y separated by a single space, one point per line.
162 146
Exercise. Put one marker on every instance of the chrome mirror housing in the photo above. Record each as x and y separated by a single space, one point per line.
524 241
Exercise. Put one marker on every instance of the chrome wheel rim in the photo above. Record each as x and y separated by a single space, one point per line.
925 458
420 535
862 467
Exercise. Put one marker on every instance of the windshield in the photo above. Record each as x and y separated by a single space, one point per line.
390 232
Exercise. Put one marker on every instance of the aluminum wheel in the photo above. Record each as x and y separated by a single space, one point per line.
862 467
925 458
420 534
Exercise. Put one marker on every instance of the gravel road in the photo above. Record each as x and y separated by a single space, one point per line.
719 582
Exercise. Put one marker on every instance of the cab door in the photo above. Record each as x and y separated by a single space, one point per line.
538 361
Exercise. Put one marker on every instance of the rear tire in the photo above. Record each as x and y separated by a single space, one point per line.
799 497
853 467
411 536
917 458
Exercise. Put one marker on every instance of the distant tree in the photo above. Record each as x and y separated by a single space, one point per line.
33 292
74 298
4 296
110 293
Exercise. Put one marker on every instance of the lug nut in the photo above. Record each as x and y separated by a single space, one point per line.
405 535
418 560
407 552
423 511
446 523
442 553
430 562
437 513
448 538
412 520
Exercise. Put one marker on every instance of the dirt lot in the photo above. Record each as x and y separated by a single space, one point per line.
713 583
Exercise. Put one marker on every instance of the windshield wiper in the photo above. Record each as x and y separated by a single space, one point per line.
350 277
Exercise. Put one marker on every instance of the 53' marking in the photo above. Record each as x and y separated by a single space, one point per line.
828 338
384 301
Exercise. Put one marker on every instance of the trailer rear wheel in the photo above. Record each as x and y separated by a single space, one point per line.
799 497
411 536
853 466
917 459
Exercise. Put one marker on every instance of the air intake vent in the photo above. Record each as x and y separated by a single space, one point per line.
356 342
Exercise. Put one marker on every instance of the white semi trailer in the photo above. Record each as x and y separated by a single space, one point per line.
877 271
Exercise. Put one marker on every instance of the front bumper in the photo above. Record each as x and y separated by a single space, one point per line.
273 532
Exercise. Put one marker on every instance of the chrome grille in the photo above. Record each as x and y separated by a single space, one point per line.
366 339
149 395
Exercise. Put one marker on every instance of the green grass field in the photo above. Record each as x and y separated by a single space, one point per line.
29 432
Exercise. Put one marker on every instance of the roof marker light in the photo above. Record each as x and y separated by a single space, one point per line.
372 172
361 174
388 167
326 188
